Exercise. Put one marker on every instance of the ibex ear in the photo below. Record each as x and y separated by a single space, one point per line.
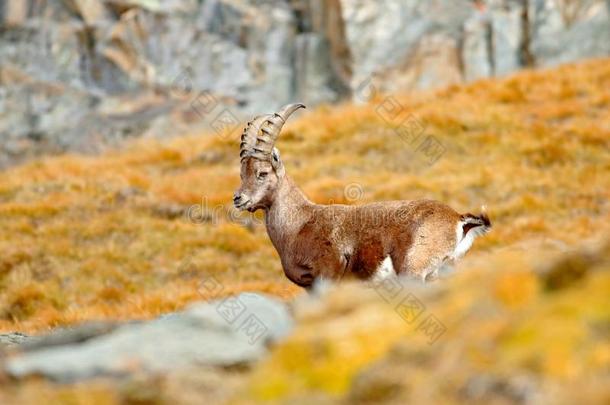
276 162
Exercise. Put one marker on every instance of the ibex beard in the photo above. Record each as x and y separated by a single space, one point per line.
336 242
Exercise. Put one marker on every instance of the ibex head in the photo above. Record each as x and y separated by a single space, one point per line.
261 167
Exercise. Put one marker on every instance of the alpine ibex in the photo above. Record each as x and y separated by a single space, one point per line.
413 238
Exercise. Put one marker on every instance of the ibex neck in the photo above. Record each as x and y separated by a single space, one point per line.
287 212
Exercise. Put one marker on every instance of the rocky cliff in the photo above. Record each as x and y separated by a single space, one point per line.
84 74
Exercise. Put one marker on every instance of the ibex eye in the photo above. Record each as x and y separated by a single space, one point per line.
262 175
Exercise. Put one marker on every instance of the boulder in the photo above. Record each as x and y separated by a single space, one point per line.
13 339
232 331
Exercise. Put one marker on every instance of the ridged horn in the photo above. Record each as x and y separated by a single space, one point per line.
248 137
261 133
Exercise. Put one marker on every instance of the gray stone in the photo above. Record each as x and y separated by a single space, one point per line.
227 332
14 339
68 335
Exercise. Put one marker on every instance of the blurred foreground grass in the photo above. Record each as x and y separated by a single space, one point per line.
518 326
107 237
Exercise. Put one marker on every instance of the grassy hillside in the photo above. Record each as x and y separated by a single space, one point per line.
108 237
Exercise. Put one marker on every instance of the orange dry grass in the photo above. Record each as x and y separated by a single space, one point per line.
107 237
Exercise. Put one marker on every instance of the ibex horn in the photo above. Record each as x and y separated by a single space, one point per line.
261 133
248 137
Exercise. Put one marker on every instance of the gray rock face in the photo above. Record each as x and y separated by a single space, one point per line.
222 333
81 75
404 45
401 42
565 33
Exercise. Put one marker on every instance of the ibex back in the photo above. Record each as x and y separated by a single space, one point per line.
412 238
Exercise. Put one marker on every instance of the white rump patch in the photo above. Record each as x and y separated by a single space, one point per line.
465 242
384 271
